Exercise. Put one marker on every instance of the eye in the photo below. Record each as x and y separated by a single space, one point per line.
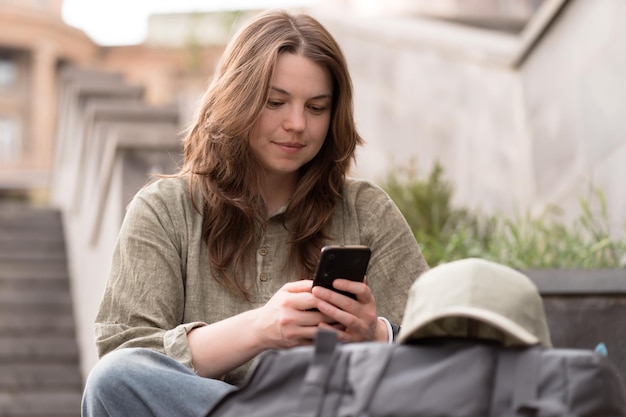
315 109
273 104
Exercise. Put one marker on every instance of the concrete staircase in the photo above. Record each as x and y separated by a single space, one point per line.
39 365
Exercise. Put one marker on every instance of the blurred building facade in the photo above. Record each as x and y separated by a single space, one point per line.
35 46
34 43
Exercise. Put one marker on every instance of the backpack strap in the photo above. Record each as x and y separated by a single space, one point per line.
328 369
526 367
318 373
526 374
516 382
367 367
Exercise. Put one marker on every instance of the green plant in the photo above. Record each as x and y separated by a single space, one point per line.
547 241
447 233
443 231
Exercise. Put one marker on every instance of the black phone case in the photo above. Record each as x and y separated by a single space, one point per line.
347 262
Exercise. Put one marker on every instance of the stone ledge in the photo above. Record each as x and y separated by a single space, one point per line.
579 281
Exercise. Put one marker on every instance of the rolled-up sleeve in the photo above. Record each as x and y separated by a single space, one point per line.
144 299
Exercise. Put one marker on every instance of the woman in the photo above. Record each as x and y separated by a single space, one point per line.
213 265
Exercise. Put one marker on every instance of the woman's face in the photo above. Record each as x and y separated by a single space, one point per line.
292 126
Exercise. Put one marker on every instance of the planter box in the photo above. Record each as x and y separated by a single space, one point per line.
584 308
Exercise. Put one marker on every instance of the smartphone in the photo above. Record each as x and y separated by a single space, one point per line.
347 262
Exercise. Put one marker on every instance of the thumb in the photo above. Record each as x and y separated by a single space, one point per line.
303 285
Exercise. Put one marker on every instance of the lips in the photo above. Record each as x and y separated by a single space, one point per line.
289 148
294 145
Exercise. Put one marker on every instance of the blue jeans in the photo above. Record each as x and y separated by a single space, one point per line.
138 382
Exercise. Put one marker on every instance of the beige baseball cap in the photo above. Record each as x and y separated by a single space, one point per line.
475 298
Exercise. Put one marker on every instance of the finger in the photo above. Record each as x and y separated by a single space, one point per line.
337 326
337 314
311 318
336 299
362 292
303 285
330 296
301 301
299 325
326 319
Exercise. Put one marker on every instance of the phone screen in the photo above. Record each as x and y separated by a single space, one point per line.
347 262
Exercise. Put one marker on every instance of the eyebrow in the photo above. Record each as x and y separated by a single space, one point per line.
281 91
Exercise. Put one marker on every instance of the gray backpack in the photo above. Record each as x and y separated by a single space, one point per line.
455 378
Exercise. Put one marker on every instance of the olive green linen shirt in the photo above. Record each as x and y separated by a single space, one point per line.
161 287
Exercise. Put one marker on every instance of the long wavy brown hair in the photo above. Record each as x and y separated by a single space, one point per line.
219 163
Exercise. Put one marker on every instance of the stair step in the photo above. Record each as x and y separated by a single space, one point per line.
9 235
33 270
33 267
20 248
19 377
36 300
30 228
55 307
17 215
40 404
39 358
16 283
42 324
31 252
50 349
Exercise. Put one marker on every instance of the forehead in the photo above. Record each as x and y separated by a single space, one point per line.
299 75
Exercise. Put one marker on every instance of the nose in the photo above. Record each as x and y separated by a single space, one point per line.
295 120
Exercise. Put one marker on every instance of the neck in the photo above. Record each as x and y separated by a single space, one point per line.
276 191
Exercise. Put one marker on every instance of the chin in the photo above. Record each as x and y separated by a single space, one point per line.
285 169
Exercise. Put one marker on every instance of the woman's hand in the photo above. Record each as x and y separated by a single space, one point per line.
357 317
286 320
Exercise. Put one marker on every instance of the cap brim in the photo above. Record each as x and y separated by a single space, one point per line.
507 326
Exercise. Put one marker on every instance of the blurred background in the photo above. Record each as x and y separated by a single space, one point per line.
513 106
519 100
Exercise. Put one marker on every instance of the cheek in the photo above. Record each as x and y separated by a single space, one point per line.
256 132
261 125
320 129
253 137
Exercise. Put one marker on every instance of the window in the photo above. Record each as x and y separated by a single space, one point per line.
10 152
8 72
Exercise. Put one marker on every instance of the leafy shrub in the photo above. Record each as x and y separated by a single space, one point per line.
447 233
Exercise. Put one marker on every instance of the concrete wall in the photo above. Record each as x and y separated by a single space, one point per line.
574 97
109 143
518 121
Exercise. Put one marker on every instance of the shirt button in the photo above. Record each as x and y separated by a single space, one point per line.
263 251
263 277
